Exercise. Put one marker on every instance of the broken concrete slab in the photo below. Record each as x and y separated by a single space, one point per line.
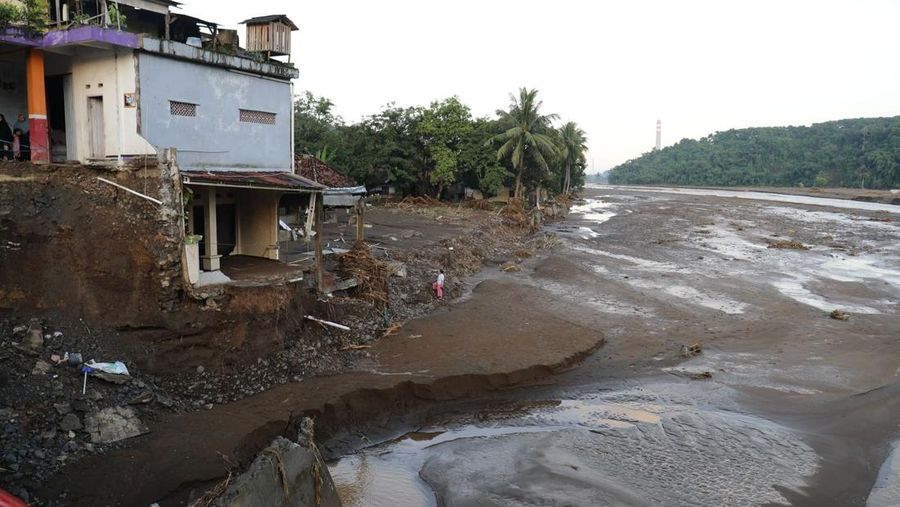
114 424
283 474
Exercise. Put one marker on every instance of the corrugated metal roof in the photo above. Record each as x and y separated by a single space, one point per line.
252 179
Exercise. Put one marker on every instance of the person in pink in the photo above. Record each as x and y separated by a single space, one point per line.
439 285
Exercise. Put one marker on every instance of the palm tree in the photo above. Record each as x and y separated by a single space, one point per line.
526 141
572 145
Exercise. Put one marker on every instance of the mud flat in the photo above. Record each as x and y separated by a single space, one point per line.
500 337
784 405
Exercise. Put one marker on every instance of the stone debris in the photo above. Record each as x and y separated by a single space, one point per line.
839 315
787 244
114 424
70 422
41 367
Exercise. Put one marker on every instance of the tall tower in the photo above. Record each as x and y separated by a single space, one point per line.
658 134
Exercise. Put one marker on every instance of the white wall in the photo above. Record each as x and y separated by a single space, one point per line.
110 74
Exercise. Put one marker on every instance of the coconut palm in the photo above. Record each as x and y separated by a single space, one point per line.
525 142
572 145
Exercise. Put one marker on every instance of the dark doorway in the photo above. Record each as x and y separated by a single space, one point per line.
56 116
226 228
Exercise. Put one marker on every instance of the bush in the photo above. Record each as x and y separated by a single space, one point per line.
821 181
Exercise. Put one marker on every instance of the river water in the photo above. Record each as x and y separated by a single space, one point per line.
659 431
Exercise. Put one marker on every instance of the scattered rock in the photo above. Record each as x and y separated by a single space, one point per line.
200 369
70 422
41 367
838 315
62 408
114 424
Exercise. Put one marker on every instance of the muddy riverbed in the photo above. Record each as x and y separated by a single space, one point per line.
784 405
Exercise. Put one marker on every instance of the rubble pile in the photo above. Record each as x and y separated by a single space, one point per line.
53 409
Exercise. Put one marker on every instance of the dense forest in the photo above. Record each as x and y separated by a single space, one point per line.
424 150
846 153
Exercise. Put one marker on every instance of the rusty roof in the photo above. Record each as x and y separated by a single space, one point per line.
252 179
314 169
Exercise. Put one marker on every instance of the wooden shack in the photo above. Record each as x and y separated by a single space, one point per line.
270 34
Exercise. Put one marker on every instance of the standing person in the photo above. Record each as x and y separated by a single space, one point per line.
6 139
21 125
439 285
17 144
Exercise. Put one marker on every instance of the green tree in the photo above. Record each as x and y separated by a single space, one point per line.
443 127
525 142
572 145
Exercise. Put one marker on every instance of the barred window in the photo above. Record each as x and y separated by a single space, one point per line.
182 108
251 116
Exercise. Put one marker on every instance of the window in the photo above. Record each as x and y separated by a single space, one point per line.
182 108
251 116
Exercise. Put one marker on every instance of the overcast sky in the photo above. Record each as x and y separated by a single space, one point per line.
612 67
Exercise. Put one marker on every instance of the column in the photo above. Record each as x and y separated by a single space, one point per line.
38 133
210 257
317 227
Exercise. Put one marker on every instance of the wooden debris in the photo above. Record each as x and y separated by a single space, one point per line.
510 267
355 347
787 244
392 329
691 350
328 323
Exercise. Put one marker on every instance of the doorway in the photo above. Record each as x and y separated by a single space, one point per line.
96 128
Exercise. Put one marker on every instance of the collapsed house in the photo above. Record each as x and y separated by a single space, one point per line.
131 83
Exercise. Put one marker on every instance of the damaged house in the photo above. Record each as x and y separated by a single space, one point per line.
130 83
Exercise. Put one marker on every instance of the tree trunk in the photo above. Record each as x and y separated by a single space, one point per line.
518 190
568 179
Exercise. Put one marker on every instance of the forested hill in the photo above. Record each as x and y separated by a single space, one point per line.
847 153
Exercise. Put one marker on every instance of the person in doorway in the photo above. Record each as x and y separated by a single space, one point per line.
439 285
21 124
6 139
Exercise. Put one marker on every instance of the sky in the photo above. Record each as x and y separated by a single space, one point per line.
612 67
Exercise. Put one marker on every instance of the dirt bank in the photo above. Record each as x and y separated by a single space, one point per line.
510 340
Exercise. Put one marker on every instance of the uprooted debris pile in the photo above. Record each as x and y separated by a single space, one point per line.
371 273
787 244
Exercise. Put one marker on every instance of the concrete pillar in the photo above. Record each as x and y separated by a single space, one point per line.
210 258
38 133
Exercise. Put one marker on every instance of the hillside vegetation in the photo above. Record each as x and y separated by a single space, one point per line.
845 153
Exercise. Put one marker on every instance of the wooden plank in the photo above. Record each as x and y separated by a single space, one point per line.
361 220
317 227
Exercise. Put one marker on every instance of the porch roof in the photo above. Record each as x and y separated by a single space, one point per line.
260 180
